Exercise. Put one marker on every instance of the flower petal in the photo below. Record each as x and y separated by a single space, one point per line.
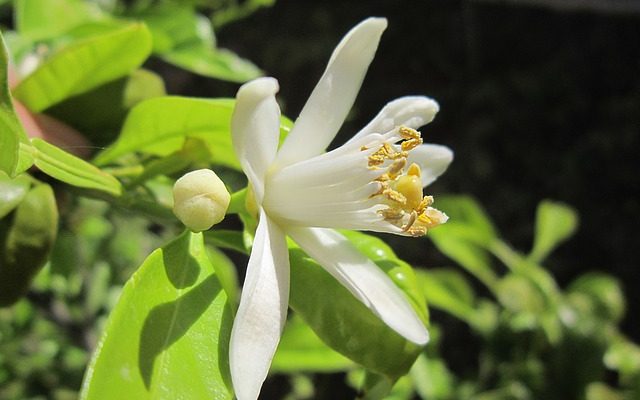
333 96
255 129
433 160
363 279
262 312
410 111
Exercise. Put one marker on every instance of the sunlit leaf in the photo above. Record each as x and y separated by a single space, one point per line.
469 219
300 349
72 170
161 125
26 244
432 378
555 223
85 65
168 335
399 271
12 191
214 63
11 131
43 19
343 322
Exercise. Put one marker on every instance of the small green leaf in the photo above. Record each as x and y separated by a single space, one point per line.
167 337
343 322
12 191
72 170
432 378
448 290
43 19
11 131
555 223
471 221
601 293
85 65
300 350
184 38
26 245
214 63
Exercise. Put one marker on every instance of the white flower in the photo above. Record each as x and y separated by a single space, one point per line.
372 182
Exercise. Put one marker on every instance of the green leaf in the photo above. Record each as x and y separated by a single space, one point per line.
85 65
343 322
184 38
161 125
448 290
72 170
471 222
401 273
100 112
214 63
601 294
43 19
11 131
12 191
432 378
555 223
300 349
168 335
26 244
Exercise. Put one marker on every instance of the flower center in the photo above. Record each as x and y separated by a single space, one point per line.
400 190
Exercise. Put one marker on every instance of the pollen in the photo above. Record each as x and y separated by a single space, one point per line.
400 190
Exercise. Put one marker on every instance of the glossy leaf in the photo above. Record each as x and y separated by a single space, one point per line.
12 191
168 335
72 170
300 350
160 126
26 245
400 272
555 223
343 322
85 65
11 131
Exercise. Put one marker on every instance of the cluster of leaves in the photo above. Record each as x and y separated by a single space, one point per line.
73 233
536 341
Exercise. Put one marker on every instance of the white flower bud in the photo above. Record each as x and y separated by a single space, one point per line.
200 199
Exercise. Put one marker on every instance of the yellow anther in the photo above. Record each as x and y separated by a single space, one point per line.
410 144
363 148
395 196
408 133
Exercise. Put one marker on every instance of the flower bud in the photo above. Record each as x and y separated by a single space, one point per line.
200 199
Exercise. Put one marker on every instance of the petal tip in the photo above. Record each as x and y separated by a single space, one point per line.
258 89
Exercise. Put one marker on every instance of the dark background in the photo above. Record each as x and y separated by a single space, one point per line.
537 102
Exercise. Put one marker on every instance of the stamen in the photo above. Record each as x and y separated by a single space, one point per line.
407 207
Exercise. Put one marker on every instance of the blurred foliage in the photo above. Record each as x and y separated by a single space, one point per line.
72 231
